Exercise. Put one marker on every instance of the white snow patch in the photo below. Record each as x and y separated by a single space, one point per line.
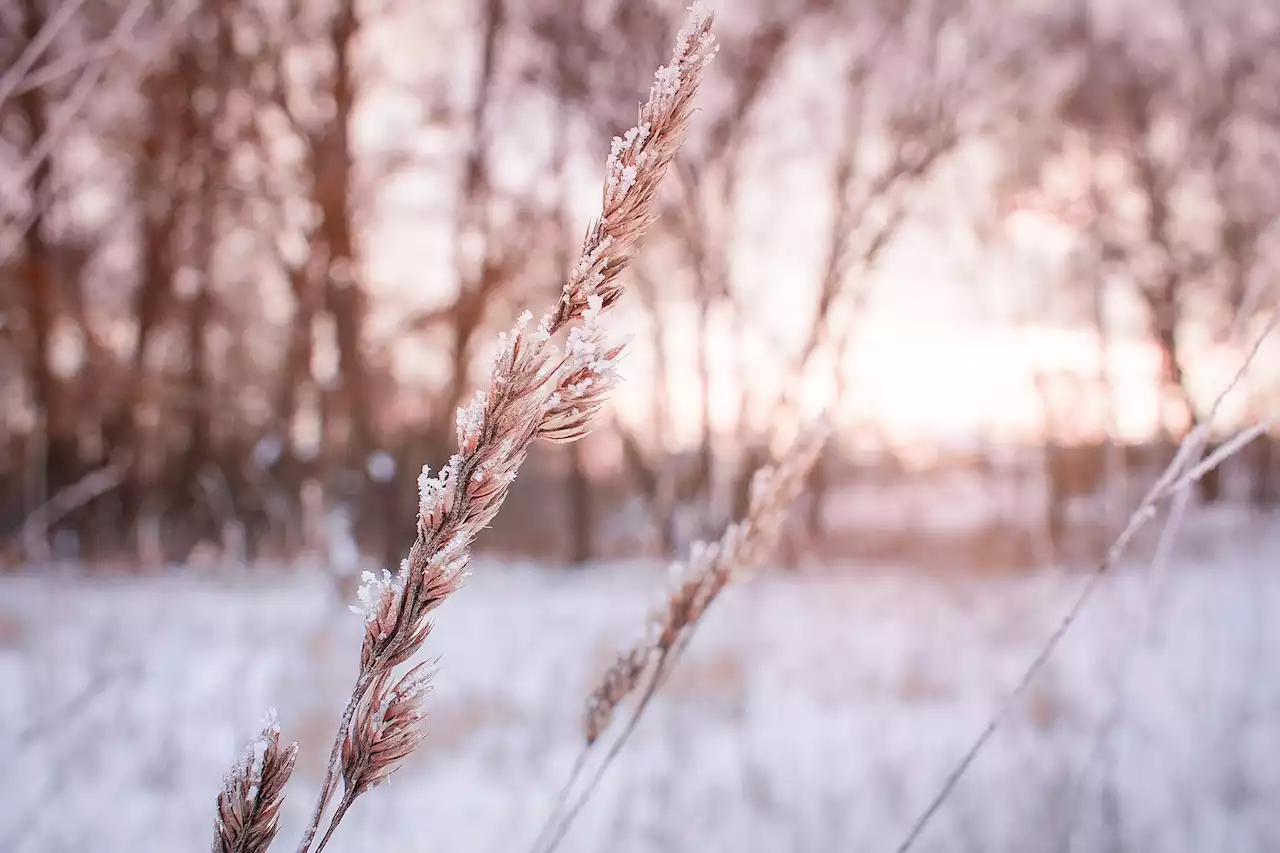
813 713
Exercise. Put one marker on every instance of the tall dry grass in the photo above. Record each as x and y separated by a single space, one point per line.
253 792
642 668
537 389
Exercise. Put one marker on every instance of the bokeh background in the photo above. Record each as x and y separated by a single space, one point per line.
253 253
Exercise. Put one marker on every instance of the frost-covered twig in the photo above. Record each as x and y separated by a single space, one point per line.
252 793
17 72
1185 469
534 392
89 487
643 667
1157 584
81 93
1192 452
743 546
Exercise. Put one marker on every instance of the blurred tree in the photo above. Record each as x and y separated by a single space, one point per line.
1185 146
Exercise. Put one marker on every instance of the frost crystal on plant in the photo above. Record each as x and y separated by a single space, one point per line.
372 591
534 393
434 493
619 177
428 487
667 80
589 272
695 584
543 332
470 421
253 791
414 684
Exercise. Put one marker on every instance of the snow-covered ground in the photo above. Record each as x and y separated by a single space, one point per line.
814 712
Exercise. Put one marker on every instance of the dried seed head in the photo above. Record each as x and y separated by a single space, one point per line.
470 421
531 394
398 625
638 161
711 566
534 392
252 793
584 382
385 731
619 681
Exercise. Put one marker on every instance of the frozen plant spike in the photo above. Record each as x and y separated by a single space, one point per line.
534 391
696 583
253 792
387 729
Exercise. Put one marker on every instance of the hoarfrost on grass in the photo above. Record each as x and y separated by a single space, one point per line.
814 712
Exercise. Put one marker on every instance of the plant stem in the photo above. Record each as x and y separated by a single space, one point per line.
330 774
347 799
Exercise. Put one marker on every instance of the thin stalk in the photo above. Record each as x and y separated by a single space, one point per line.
347 799
331 771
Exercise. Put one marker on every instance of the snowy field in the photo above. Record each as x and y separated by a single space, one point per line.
815 712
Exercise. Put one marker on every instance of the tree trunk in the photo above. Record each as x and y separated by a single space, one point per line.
581 520
60 446
819 480
345 298
155 193
203 209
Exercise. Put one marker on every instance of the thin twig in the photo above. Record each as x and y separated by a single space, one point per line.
86 489
17 72
562 797
953 778
330 783
1224 451
1157 579
662 671
343 805
1171 481
647 664
80 93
